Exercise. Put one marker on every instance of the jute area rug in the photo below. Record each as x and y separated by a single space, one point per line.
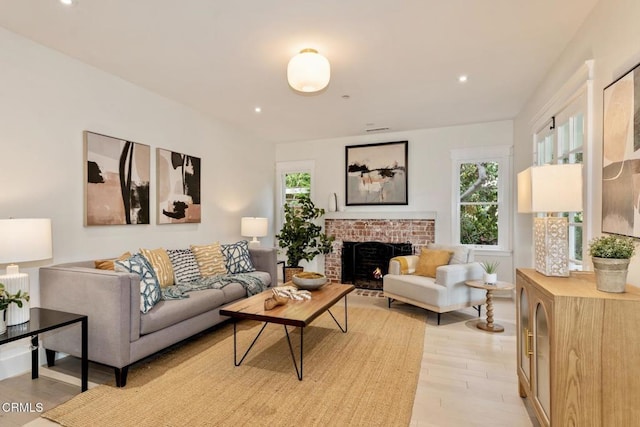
366 377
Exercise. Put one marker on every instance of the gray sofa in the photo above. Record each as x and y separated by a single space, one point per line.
119 334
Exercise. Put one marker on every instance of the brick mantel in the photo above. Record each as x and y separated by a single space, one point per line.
418 228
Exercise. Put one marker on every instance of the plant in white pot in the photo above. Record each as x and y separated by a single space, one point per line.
490 271
5 299
610 256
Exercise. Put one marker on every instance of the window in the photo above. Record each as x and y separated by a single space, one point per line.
296 185
294 180
481 186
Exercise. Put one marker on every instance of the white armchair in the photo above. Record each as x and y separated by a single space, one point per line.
447 292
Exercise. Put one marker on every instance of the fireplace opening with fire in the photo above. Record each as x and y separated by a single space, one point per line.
364 264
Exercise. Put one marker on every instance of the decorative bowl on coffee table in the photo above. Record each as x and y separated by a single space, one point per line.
309 281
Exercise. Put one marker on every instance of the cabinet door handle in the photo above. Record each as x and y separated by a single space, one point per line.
528 338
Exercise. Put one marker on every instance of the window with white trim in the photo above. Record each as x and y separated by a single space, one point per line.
294 180
481 197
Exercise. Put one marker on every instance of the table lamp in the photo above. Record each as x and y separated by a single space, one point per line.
546 189
254 227
22 240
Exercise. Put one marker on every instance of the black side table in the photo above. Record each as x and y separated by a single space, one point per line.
43 320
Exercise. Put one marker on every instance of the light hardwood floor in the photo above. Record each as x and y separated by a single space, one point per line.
467 378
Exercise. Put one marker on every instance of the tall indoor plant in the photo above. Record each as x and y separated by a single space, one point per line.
610 256
300 236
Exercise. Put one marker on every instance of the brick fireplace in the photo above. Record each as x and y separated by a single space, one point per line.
417 228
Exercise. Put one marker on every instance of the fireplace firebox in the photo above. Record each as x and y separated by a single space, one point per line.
365 263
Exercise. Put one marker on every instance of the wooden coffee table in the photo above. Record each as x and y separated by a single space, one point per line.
294 313
489 326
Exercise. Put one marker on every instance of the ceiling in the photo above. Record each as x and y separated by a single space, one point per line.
395 63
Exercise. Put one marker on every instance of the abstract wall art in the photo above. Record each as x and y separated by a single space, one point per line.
621 156
376 174
178 187
116 180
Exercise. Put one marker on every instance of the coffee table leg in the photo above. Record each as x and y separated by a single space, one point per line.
235 352
346 321
293 357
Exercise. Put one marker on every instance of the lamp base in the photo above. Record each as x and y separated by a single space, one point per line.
551 238
255 243
14 283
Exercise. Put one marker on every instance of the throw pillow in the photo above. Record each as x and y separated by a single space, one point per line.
107 264
460 253
149 286
430 260
210 259
237 257
185 266
161 264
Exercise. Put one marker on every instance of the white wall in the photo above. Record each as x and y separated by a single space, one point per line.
610 36
430 175
48 99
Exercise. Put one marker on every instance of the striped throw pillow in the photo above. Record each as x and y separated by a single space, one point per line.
161 264
185 266
210 259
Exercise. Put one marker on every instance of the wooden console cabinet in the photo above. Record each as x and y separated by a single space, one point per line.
578 350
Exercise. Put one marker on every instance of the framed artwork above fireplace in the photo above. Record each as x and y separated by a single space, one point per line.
376 174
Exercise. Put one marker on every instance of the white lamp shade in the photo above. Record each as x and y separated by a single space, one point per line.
254 227
308 71
23 240
550 188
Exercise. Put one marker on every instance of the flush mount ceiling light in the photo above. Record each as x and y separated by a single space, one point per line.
67 2
308 71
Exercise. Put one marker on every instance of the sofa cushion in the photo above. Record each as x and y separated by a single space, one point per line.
185 266
149 286
210 259
430 259
161 264
108 264
461 254
237 257
418 288
168 313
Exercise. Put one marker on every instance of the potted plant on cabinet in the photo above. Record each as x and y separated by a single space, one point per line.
6 299
490 271
610 256
301 238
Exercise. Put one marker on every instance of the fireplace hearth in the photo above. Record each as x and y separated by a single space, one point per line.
365 263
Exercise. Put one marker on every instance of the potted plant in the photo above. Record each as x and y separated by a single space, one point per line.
610 256
6 299
490 271
300 236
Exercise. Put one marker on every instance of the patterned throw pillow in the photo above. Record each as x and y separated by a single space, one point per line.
107 264
185 266
161 264
210 259
149 286
237 257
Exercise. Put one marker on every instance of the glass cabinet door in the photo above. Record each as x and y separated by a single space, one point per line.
525 329
542 360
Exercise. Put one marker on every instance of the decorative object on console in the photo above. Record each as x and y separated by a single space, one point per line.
117 174
254 227
300 236
490 272
22 240
546 189
376 174
610 257
620 143
178 187
308 71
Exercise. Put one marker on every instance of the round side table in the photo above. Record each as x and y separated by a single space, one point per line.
489 326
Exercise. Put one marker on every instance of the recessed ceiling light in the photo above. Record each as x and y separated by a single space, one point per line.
463 78
258 110
67 2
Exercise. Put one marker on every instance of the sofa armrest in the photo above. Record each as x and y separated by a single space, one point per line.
452 274
111 300
411 260
265 259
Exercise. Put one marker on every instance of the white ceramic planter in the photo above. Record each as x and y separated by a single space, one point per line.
490 278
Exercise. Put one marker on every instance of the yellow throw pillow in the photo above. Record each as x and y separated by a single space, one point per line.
108 264
430 259
210 259
159 260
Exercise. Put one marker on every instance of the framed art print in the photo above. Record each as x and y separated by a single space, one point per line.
376 174
178 187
